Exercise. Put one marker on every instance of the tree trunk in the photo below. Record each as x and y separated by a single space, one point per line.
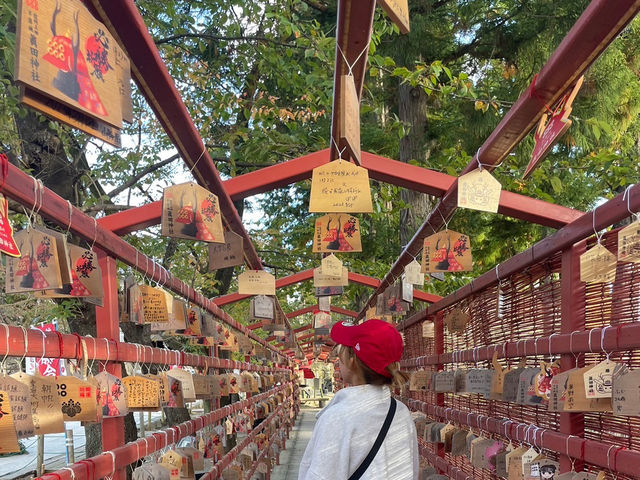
412 110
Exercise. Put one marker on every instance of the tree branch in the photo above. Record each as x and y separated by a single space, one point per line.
239 38
106 207
321 7
146 171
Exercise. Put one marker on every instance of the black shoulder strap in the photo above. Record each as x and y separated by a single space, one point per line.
377 444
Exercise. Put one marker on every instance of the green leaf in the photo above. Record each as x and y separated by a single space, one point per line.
556 183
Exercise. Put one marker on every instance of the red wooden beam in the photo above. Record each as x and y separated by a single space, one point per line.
302 311
306 275
380 168
125 23
596 28
353 34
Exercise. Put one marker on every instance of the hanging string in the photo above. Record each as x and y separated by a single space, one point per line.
196 163
627 196
340 152
598 235
70 216
351 65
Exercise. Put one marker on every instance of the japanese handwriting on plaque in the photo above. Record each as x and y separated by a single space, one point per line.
598 381
349 118
7 243
227 254
256 282
71 68
447 251
398 11
8 435
19 395
428 330
331 266
337 233
456 320
45 403
629 243
147 305
321 280
192 212
625 393
262 307
340 186
479 190
598 265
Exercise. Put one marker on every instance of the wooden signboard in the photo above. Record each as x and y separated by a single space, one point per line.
337 233
548 133
321 280
142 393
349 116
68 57
192 212
398 11
112 396
629 243
19 396
256 282
227 254
598 265
78 399
340 186
331 266
38 268
85 277
447 251
8 435
46 411
479 190
7 242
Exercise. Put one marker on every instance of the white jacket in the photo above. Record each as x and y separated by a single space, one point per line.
345 432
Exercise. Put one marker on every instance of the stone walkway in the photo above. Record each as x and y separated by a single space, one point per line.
300 435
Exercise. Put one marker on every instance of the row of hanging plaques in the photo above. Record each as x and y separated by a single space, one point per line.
502 460
606 386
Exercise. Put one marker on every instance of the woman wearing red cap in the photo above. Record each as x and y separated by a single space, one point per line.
364 433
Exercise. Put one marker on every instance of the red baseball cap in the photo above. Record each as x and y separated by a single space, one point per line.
376 342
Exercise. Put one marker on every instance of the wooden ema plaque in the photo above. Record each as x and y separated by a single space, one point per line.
18 396
194 322
256 282
336 232
176 315
548 133
413 273
147 305
38 268
629 243
78 399
349 116
479 190
8 436
262 307
176 399
46 410
321 280
340 186
331 266
7 242
153 471
598 265
181 461
227 254
447 251
625 392
66 58
163 391
85 277
142 393
112 396
192 212
398 11
186 380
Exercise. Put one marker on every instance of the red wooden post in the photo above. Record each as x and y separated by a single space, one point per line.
572 319
108 326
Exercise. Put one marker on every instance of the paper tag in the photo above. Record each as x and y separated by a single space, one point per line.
598 381
479 190
598 265
413 273
192 212
447 251
340 186
331 266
